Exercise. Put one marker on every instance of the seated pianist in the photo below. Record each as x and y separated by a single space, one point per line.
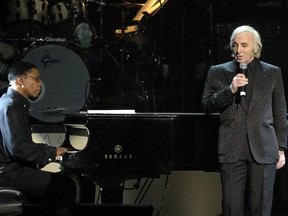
20 157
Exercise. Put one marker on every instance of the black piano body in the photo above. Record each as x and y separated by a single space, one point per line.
143 144
137 144
112 148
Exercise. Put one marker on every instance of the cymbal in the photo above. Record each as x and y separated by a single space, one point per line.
126 4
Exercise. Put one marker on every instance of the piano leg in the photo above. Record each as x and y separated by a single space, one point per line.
111 188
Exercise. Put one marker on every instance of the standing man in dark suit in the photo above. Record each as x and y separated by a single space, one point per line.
253 128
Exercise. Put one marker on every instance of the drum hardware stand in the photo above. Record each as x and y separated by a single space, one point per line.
74 15
123 78
101 10
122 57
31 12
101 4
123 74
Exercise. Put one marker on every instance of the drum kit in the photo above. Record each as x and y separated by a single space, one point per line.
54 35
56 18
58 36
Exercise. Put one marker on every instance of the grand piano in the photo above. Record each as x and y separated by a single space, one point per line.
110 148
145 142
113 148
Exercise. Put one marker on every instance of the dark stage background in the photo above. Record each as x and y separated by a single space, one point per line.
160 67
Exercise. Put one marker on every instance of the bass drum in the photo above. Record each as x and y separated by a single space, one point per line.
65 82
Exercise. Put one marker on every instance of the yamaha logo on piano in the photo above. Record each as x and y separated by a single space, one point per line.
118 156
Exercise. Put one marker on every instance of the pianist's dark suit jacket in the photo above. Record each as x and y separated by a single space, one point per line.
266 114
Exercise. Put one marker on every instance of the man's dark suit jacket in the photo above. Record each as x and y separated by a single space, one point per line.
266 115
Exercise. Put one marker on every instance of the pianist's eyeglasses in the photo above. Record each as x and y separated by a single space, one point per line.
36 79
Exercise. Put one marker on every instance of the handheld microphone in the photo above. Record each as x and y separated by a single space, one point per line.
243 69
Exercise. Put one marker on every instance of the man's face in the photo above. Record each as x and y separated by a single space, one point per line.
32 84
243 47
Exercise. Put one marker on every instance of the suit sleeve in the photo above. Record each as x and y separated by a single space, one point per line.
217 94
280 111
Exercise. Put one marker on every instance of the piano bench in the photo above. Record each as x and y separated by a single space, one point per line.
11 202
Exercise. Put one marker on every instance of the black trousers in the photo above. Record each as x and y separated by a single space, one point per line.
55 190
260 179
60 193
